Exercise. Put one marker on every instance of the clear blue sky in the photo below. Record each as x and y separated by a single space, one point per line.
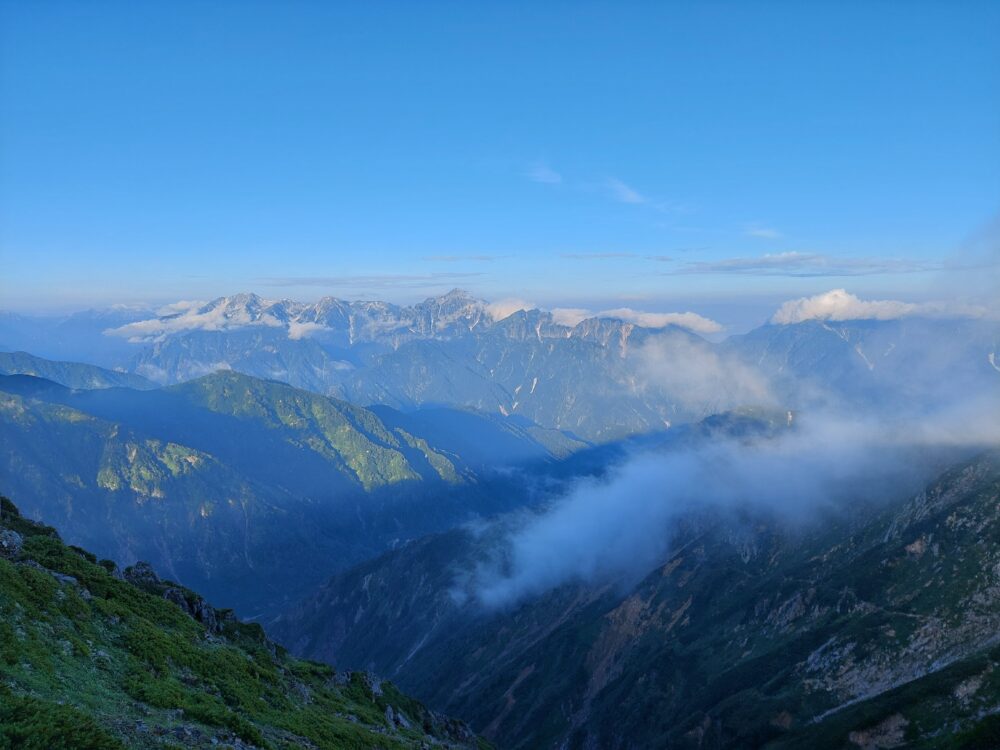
650 154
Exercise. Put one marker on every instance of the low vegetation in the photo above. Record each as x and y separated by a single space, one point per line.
91 658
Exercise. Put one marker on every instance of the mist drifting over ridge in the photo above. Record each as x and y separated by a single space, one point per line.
833 456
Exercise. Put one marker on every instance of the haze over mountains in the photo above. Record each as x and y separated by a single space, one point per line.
514 376
553 529
601 378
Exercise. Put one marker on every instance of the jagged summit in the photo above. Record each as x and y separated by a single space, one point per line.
455 313
456 293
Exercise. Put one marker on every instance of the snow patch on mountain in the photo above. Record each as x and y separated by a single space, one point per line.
225 313
454 313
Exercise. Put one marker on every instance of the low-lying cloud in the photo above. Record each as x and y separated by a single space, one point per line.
619 527
300 330
689 320
192 317
504 308
702 378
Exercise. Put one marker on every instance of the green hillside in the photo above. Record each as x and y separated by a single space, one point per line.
251 491
91 658
336 430
69 374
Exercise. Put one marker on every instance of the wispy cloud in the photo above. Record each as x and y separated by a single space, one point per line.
544 174
380 281
806 265
597 256
459 258
611 187
624 193
762 232
615 256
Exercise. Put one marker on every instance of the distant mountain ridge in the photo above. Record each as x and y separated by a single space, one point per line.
351 322
600 379
246 488
69 374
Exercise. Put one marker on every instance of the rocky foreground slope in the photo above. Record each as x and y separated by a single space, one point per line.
93 659
875 629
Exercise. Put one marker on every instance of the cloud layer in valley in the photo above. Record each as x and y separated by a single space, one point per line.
618 527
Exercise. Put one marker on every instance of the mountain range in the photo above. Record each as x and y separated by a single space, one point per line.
570 533
249 490
874 629
599 379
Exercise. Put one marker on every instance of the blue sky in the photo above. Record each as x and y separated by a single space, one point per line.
663 155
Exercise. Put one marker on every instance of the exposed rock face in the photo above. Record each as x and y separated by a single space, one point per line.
397 718
10 543
195 607
204 613
142 575
373 683
890 732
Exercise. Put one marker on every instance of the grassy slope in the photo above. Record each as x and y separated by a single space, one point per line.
88 660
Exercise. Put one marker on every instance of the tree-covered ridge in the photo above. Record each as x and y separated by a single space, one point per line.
336 430
91 658
251 491
69 374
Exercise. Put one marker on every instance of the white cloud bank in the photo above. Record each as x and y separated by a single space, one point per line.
504 308
688 320
840 305
619 527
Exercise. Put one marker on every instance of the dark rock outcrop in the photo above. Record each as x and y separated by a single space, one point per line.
10 543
